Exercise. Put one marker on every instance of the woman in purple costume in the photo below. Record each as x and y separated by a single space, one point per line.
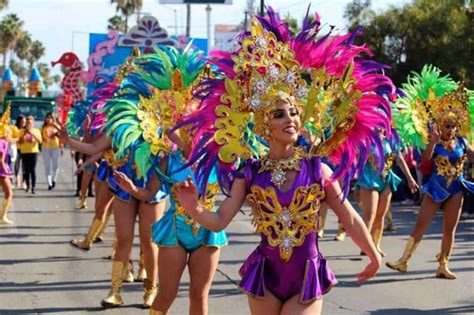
5 171
273 89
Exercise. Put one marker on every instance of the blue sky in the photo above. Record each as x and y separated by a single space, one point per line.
64 25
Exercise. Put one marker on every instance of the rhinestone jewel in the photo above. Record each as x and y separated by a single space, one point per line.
290 77
261 42
285 216
260 85
302 92
287 243
278 177
255 103
274 72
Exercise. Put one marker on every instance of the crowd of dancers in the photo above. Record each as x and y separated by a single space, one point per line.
290 124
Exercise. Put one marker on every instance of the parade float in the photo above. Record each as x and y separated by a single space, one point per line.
107 53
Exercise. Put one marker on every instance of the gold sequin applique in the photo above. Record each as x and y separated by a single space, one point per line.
286 227
448 170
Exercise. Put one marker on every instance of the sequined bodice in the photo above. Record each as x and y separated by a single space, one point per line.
449 164
176 162
389 159
286 218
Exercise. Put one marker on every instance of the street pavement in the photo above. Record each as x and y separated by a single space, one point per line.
40 273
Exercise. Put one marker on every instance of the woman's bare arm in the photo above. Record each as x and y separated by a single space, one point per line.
353 223
406 171
187 195
102 144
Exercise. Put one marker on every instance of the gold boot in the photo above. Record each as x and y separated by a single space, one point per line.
321 224
141 269
377 240
341 233
154 312
100 234
443 270
390 226
82 203
402 264
150 290
3 216
128 274
114 299
86 243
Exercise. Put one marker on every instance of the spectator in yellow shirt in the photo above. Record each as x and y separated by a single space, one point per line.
51 149
16 133
30 139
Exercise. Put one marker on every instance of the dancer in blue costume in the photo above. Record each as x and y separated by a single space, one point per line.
124 113
87 118
181 240
377 183
441 113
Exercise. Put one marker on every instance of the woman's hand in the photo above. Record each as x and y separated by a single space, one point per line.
412 185
79 170
187 194
370 270
434 133
124 182
86 124
62 133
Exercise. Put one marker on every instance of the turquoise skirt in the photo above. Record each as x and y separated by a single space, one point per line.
172 231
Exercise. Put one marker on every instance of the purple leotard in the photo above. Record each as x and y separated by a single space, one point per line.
4 150
287 261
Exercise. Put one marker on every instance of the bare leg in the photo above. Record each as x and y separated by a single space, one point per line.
172 261
8 191
125 214
452 213
382 208
323 211
425 216
86 178
271 305
369 201
202 267
149 214
292 306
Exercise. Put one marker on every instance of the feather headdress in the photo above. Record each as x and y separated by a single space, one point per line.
340 95
150 101
431 97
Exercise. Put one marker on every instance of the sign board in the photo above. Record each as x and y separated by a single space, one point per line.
195 1
110 63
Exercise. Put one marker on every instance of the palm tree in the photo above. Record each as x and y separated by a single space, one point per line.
3 4
37 51
127 8
23 46
22 50
116 23
10 28
21 72
45 74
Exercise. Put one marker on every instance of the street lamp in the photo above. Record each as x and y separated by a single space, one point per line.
175 18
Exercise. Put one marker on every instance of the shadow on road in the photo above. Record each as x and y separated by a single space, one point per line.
467 309
51 310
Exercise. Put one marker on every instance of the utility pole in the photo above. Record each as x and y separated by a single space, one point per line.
262 7
246 20
249 13
188 20
208 12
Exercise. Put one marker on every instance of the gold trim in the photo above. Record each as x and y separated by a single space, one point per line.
286 227
256 297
